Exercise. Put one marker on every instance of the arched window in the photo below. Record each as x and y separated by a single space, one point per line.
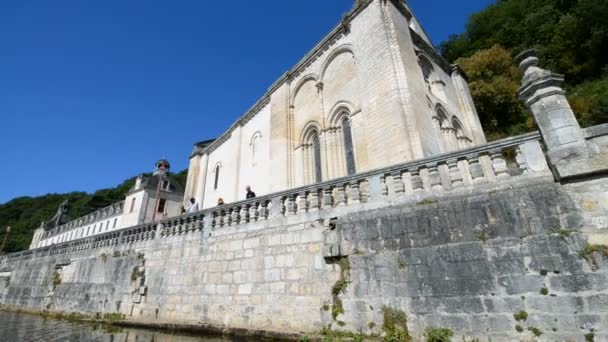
217 177
348 146
461 135
442 118
316 156
255 141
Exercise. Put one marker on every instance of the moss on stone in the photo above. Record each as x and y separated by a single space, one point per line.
535 331
340 287
438 334
520 316
519 328
427 202
395 325
402 264
589 250
544 291
590 337
56 279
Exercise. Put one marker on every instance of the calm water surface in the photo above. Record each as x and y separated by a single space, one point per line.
18 327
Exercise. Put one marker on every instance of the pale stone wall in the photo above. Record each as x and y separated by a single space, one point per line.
135 201
416 252
366 69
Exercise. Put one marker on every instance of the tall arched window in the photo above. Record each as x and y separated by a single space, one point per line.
461 136
442 118
348 146
316 156
217 177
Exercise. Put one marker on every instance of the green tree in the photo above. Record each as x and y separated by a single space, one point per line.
494 80
24 214
572 36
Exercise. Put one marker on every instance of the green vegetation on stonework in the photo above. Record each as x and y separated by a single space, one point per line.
520 316
544 291
483 236
24 214
590 337
56 279
537 332
572 37
402 264
395 325
330 335
589 250
340 287
136 273
438 334
519 328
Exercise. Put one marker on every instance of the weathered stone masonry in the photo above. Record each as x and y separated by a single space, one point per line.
458 245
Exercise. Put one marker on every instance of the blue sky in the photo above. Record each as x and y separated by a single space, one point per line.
93 92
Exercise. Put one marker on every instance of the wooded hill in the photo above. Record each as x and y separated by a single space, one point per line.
572 37
24 214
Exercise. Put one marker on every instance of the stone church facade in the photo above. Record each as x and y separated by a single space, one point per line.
373 93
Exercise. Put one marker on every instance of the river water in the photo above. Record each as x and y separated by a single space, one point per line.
19 327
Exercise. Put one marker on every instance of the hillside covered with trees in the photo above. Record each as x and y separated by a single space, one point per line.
24 214
572 37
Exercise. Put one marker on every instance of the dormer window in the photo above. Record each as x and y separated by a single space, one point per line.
165 185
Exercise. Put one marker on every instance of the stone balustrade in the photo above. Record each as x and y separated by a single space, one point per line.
520 156
99 215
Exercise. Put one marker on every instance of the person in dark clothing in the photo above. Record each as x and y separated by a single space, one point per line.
250 194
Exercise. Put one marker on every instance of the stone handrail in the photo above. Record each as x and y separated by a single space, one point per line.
512 157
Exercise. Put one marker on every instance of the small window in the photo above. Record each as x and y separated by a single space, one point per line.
115 221
165 185
107 225
217 177
132 205
88 228
161 205
94 228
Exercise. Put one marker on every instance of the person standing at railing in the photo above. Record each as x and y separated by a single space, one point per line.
220 201
250 194
193 206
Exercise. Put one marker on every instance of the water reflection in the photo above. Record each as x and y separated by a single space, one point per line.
18 327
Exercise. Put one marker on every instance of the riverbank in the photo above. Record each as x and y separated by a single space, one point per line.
114 320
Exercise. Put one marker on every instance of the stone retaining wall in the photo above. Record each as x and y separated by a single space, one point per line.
467 260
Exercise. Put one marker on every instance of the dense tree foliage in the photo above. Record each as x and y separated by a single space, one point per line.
572 37
24 214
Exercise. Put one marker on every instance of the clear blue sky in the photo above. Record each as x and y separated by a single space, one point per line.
93 92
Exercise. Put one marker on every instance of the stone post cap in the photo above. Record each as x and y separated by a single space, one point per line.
527 59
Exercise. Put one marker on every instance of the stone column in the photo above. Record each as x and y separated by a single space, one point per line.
567 149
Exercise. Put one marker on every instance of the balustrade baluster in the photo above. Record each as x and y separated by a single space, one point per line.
456 178
234 213
416 180
265 209
291 205
434 176
327 198
302 202
475 168
314 200
499 164
354 192
341 195
521 160
398 186
245 213
254 211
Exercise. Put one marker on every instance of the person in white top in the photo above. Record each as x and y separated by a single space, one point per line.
193 206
